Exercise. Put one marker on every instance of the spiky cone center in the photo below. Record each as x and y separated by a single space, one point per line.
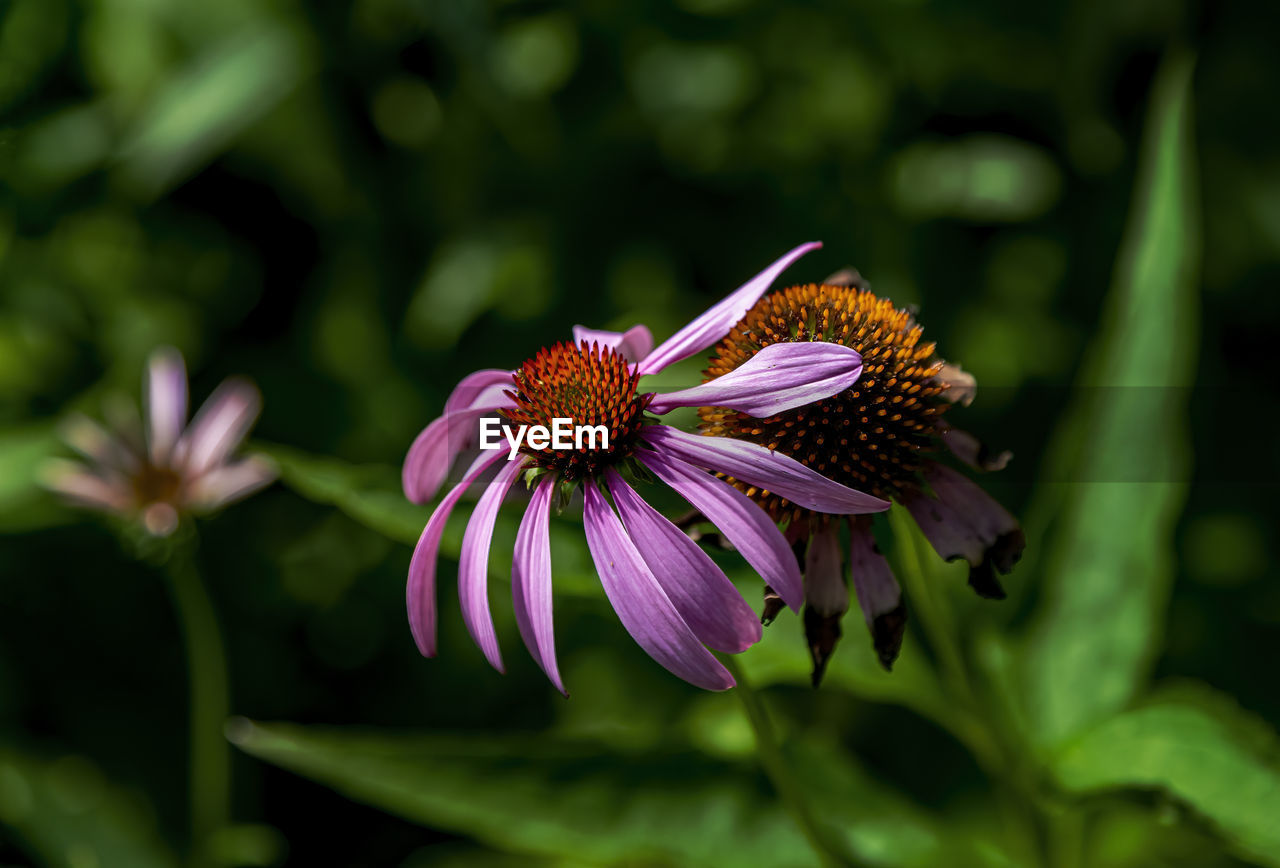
868 437
588 385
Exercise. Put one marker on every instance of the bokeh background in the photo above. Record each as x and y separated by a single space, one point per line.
356 203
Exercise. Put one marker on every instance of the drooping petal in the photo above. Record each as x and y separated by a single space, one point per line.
717 320
743 523
973 451
826 598
701 592
166 410
824 583
531 581
219 426
642 606
633 344
778 378
478 389
960 386
420 592
878 592
228 482
758 466
473 563
963 521
434 450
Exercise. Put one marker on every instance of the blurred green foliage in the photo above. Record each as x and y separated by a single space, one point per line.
356 203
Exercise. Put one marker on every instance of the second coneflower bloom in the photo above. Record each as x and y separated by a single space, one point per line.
157 468
881 436
668 593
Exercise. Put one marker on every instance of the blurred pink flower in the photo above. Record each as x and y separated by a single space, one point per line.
158 471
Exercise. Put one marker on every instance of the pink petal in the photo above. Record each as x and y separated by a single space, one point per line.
434 450
420 593
531 581
780 377
87 489
716 322
701 592
220 426
228 482
473 563
166 410
765 469
742 522
482 388
97 444
642 606
633 344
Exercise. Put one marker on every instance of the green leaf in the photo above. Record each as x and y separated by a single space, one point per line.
1123 449
66 813
1209 756
24 504
202 108
550 796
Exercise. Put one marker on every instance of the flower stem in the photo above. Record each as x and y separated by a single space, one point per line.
777 770
207 681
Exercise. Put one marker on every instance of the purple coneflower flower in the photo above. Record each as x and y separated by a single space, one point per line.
874 436
668 593
157 472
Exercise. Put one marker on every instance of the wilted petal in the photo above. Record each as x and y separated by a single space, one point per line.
743 523
481 388
220 426
960 386
701 592
531 581
166 411
435 449
963 521
973 451
716 322
420 592
473 563
642 606
824 583
633 344
780 377
758 466
228 482
878 592
826 598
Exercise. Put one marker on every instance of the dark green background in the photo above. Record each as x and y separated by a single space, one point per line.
356 203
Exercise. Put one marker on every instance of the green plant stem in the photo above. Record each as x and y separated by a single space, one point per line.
779 773
207 678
